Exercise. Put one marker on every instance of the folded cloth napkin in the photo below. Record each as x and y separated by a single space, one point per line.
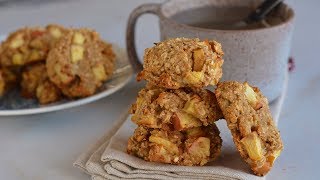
108 159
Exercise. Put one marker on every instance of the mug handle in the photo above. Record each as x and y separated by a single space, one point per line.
152 8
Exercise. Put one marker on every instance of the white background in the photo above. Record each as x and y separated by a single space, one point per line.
45 146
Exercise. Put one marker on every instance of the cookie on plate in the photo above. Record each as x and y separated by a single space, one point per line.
80 62
36 84
29 45
177 109
8 79
192 147
248 117
182 62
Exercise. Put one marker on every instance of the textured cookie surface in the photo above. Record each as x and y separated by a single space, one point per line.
248 117
80 62
177 109
183 62
8 79
35 83
29 45
193 147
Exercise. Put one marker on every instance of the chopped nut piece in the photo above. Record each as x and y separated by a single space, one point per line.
252 144
198 59
78 38
182 120
99 72
76 53
17 59
167 144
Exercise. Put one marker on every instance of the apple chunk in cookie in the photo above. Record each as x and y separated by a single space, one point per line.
80 62
179 109
249 119
183 62
195 146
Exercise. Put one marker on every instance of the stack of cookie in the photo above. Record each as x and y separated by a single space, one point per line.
176 115
54 62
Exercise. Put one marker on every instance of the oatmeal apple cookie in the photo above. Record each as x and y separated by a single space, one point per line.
177 109
35 83
8 79
248 117
80 62
182 62
193 147
29 45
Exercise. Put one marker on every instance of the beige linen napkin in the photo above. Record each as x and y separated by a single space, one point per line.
108 159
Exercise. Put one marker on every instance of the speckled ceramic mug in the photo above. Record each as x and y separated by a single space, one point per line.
258 56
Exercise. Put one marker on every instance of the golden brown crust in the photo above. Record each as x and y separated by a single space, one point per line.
248 117
182 62
177 109
194 147
36 84
80 62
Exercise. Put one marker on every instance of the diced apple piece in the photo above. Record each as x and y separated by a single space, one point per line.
195 132
145 120
195 107
182 121
252 97
63 77
164 142
198 59
78 38
194 77
252 144
200 147
99 72
139 102
17 59
76 53
160 154
273 157
36 43
55 32
17 41
34 56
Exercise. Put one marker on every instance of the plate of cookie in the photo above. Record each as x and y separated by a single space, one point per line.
44 69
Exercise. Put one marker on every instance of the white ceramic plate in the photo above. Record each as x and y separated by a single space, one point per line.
12 104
